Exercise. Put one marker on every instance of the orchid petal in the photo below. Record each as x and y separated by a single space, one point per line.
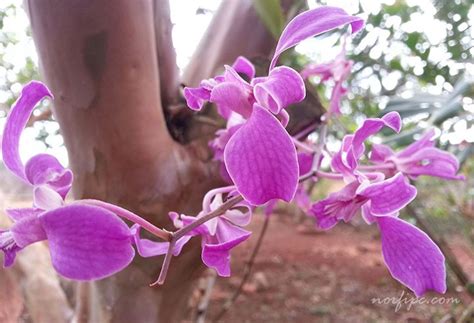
244 66
87 242
28 230
238 217
430 162
31 95
46 199
390 195
426 141
380 153
341 205
344 161
46 169
411 256
196 97
261 159
217 256
372 126
9 247
230 97
283 87
302 198
20 213
312 23
305 162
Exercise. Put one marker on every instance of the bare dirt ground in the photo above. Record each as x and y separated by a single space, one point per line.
301 275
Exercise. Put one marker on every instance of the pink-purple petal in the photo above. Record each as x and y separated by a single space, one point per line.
243 66
31 95
46 169
87 242
28 230
196 97
380 153
341 205
261 159
229 96
430 162
305 162
284 86
411 256
311 23
20 213
46 199
426 141
389 196
217 255
370 127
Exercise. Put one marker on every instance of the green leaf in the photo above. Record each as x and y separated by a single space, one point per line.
271 15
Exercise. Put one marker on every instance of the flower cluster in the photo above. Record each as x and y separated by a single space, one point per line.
88 239
264 163
379 194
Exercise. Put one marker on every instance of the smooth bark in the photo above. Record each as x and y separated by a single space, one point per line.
99 59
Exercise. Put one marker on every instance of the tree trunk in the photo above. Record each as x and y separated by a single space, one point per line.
100 60
235 30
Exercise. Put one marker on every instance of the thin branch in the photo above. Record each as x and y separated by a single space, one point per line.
204 303
247 271
166 264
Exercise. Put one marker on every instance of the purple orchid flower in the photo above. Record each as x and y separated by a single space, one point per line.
86 242
338 70
410 255
260 156
380 198
419 158
41 170
219 235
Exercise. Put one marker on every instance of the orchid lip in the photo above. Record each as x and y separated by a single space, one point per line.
7 242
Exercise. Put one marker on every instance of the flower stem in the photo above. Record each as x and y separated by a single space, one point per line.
332 176
302 145
166 264
126 214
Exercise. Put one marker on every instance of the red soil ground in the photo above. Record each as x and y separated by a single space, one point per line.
301 275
